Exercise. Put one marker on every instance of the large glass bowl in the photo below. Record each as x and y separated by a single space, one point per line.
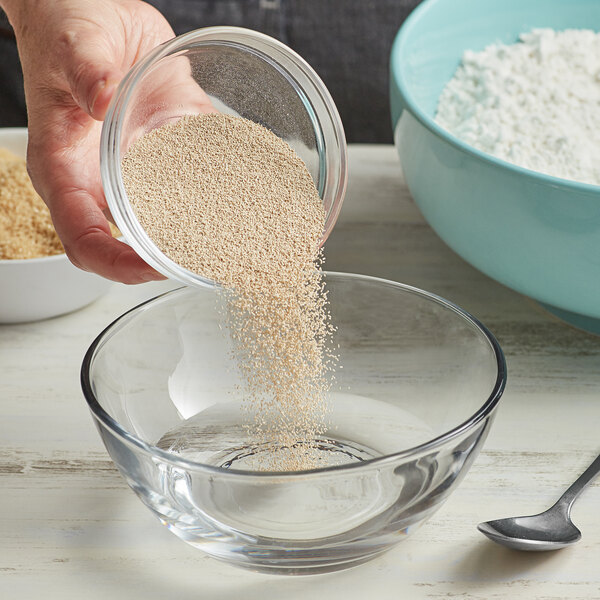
243 73
408 413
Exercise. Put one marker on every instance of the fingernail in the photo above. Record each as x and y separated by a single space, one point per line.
96 91
151 276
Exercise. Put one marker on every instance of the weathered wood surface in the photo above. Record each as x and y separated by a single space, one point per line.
70 527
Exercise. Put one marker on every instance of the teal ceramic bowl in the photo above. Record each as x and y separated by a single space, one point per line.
537 234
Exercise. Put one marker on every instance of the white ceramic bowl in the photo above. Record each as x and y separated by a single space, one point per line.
39 288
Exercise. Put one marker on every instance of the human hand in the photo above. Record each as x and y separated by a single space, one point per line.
73 54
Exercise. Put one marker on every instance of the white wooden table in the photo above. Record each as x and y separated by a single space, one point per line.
71 528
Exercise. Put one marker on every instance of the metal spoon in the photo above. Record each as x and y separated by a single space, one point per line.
549 530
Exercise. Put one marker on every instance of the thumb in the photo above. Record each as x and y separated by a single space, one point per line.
92 77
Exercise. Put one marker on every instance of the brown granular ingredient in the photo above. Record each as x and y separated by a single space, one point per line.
26 229
226 198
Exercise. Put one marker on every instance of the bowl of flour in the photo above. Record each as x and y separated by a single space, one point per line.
496 115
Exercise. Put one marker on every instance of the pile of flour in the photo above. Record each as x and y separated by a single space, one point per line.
535 103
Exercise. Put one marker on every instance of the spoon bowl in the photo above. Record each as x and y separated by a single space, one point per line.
549 530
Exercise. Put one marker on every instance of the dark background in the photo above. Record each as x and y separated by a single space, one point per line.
347 42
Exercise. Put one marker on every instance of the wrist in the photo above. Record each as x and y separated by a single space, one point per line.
13 10
17 10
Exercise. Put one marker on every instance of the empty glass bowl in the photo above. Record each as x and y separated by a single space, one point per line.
408 413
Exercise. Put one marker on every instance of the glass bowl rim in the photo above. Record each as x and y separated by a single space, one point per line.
481 413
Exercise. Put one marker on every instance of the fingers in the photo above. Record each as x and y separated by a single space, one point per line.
90 69
88 242
99 252
66 176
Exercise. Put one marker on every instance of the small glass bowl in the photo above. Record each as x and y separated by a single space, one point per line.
244 73
408 413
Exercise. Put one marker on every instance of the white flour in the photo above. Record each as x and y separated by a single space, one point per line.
535 103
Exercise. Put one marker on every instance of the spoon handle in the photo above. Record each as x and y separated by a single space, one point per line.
567 499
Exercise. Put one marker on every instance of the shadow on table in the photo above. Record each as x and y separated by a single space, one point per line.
489 562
